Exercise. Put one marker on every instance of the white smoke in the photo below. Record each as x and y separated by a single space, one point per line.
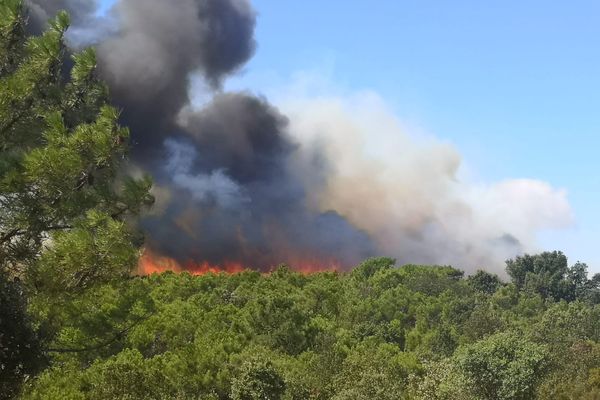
354 156
215 187
405 191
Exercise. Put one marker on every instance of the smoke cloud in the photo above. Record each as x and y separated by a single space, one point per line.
406 191
328 180
238 197
215 186
149 62
80 10
86 25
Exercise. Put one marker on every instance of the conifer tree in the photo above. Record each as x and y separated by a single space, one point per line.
65 202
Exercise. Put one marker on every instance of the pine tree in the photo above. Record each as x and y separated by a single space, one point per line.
65 201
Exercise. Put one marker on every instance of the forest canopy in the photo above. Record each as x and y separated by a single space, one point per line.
76 322
380 331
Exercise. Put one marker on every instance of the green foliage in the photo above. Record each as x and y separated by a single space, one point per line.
375 371
64 200
576 376
61 146
370 267
20 352
257 380
548 275
484 282
69 303
503 366
413 332
12 26
97 249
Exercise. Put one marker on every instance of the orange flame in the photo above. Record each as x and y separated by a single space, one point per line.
151 263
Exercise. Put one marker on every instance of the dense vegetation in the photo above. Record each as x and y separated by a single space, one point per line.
76 324
64 201
379 332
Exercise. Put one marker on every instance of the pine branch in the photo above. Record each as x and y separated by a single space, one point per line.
18 232
117 336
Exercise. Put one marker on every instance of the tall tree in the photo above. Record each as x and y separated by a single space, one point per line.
64 199
61 146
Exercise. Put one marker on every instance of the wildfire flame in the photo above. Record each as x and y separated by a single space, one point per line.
150 263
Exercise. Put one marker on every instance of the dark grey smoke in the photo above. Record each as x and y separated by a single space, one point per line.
244 135
232 166
86 26
149 62
232 195
80 10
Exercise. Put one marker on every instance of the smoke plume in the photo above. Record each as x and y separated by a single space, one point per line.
329 182
81 11
234 195
406 192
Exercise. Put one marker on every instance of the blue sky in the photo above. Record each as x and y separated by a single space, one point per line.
514 85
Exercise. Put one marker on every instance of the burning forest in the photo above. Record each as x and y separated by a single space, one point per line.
314 182
173 227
